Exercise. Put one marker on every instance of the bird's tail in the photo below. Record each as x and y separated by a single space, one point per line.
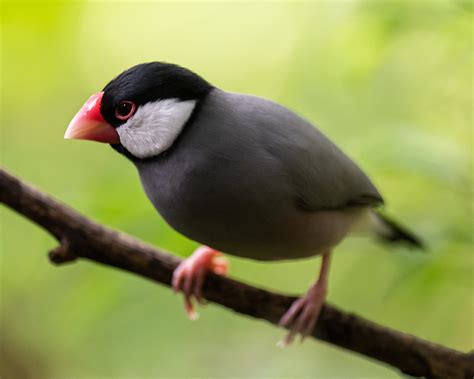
391 232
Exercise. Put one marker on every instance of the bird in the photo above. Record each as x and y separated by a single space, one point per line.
237 173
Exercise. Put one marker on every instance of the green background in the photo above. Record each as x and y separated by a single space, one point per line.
389 82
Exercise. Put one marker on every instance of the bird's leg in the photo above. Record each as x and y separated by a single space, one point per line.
189 276
301 317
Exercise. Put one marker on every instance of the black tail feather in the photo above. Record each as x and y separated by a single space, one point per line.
395 233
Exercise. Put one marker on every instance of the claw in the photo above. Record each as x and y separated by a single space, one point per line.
189 276
303 314
189 308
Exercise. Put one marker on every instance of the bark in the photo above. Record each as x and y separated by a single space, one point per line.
81 238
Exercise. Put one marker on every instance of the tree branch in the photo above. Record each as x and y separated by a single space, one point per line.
80 237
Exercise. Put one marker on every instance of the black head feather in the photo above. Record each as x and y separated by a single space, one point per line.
150 82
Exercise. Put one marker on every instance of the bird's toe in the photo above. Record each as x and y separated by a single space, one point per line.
189 276
302 316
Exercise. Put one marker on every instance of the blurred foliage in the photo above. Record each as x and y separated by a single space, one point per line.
389 81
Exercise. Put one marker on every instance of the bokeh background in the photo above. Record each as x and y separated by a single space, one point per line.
390 82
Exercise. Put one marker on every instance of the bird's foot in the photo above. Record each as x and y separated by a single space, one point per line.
301 317
189 275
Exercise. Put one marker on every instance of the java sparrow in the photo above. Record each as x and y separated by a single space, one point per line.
237 173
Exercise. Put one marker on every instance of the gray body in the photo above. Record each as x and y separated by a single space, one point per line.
251 178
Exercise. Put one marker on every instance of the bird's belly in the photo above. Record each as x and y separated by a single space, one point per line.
249 220
299 235
279 234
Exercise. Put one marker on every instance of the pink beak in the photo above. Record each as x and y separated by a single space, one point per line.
89 124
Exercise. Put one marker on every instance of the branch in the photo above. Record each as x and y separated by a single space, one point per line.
80 237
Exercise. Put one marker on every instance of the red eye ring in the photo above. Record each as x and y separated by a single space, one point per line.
125 110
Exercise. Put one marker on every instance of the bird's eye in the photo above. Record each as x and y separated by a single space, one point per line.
125 110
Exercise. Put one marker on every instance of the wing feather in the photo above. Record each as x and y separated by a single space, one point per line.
322 175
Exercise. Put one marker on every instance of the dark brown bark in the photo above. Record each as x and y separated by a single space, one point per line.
80 237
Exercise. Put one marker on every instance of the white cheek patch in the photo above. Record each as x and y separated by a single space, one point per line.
155 126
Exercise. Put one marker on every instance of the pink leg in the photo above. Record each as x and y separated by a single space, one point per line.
301 317
190 274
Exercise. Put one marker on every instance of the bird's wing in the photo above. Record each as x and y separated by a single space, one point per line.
322 176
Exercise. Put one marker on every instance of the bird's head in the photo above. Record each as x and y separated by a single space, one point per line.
142 111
